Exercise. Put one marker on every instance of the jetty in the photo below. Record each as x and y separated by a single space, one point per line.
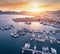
45 50
35 51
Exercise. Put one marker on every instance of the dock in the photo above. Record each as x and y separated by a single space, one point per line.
35 51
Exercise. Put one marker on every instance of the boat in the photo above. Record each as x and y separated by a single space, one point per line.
15 34
7 27
33 36
21 32
40 38
53 51
28 23
41 32
2 29
26 46
41 22
57 31
35 47
44 23
52 39
26 30
58 42
54 33
45 49
51 31
47 32
33 52
11 26
57 26
46 37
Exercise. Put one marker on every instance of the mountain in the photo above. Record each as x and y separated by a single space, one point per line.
14 12
57 12
8 12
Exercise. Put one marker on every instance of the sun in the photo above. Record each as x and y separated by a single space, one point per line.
35 10
34 7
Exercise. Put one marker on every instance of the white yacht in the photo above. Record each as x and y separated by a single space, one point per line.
46 37
21 32
2 29
35 47
52 39
33 36
45 48
33 52
40 38
27 45
54 33
15 34
47 32
53 51
41 32
58 42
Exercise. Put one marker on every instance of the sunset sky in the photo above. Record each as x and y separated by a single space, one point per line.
29 5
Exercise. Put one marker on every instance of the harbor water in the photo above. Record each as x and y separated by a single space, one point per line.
9 45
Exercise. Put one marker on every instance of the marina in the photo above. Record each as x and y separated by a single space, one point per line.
18 38
45 50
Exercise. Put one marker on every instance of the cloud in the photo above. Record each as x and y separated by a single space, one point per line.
20 5
14 6
41 1
51 6
3 1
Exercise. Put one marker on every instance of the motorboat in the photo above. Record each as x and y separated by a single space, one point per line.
47 32
21 32
45 49
41 32
54 33
2 29
40 38
33 36
46 37
33 52
53 51
28 23
41 22
35 47
26 30
7 27
52 39
15 34
58 41
27 45
44 23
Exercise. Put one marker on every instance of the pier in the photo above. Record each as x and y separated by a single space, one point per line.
35 51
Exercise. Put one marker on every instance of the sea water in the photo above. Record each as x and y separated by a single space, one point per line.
9 45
